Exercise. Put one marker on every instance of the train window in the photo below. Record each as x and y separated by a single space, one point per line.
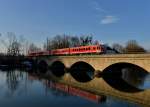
94 48
89 48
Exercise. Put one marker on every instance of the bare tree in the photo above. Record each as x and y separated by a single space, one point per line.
75 41
118 48
33 48
59 41
13 44
24 45
14 49
86 40
133 47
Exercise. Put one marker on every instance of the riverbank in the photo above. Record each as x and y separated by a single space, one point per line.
15 61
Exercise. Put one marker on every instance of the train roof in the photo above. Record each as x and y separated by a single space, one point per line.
85 46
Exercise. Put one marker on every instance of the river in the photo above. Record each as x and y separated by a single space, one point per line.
23 89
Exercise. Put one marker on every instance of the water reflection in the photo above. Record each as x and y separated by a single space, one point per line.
28 90
126 77
13 78
76 92
146 84
135 77
67 90
19 88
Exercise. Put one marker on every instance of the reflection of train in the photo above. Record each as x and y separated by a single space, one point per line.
91 49
76 91
68 89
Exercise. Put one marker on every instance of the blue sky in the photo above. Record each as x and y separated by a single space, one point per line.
110 21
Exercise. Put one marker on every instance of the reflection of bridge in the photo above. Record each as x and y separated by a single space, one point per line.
82 69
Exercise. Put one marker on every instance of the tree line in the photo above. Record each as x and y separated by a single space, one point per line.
132 46
67 41
18 45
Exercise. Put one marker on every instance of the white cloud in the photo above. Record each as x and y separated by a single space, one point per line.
109 19
97 7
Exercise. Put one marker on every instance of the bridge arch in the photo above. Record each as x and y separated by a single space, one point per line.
42 66
124 76
82 71
58 68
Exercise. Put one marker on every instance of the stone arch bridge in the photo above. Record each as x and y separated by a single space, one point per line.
98 64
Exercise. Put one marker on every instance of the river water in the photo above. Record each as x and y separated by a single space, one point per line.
21 89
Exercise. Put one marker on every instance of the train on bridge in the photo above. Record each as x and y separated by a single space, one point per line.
91 49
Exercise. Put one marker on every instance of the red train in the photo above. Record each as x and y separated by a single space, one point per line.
97 49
